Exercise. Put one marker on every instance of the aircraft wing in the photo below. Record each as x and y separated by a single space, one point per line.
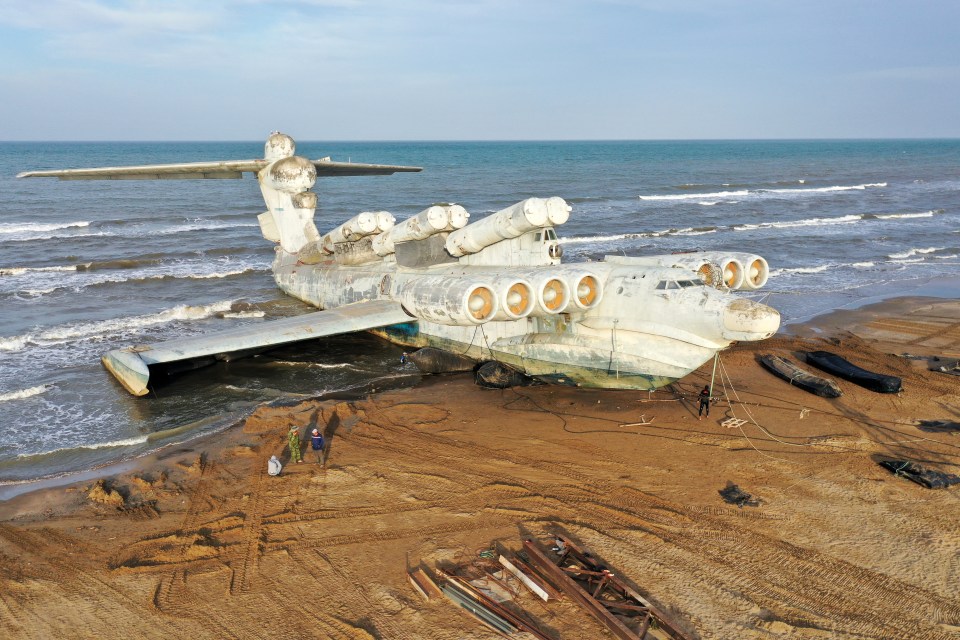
210 170
180 171
131 366
326 167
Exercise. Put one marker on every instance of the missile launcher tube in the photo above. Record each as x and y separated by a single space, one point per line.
357 227
512 222
431 220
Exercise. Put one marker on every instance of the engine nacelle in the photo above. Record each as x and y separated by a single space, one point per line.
552 294
516 297
586 289
448 300
756 271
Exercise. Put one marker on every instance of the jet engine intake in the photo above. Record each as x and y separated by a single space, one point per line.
553 295
756 271
448 300
517 299
587 290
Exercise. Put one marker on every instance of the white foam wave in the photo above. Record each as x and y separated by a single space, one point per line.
243 314
760 193
19 271
863 264
892 216
698 196
33 227
201 226
128 442
809 222
819 269
856 187
14 343
913 252
188 270
114 326
25 393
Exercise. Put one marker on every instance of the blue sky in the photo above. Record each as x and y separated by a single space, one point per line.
478 69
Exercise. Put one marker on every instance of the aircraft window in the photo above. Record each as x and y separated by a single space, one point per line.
536 238
672 285
551 234
661 285
688 283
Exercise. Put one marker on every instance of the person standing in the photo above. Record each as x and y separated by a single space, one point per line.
316 442
704 402
293 442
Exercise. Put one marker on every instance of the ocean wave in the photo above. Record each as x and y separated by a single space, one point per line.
761 193
176 271
34 227
894 216
54 235
862 264
114 326
687 231
127 442
912 252
698 196
19 271
809 222
25 393
242 314
818 269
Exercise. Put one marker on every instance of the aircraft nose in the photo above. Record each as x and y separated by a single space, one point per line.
748 320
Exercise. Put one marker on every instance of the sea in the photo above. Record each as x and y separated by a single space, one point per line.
89 266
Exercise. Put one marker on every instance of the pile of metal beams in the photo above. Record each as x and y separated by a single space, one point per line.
569 571
626 613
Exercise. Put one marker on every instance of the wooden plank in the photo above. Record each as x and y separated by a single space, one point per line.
522 577
537 577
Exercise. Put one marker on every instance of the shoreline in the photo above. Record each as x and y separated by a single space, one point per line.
837 546
933 288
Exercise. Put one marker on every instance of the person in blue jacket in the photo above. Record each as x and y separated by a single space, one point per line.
316 442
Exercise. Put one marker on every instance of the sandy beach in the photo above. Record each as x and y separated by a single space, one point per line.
198 541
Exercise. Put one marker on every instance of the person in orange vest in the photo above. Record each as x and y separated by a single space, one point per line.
293 442
316 442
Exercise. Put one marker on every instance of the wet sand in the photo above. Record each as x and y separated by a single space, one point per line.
200 542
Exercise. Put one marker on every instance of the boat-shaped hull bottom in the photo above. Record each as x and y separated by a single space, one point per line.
606 374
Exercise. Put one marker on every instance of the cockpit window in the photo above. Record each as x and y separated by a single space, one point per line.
551 234
678 284
536 238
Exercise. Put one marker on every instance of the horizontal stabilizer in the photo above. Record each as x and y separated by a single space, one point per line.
131 365
210 170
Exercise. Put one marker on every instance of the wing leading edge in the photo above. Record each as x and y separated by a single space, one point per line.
131 366
224 169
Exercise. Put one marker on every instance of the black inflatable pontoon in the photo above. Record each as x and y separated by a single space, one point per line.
832 363
798 377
